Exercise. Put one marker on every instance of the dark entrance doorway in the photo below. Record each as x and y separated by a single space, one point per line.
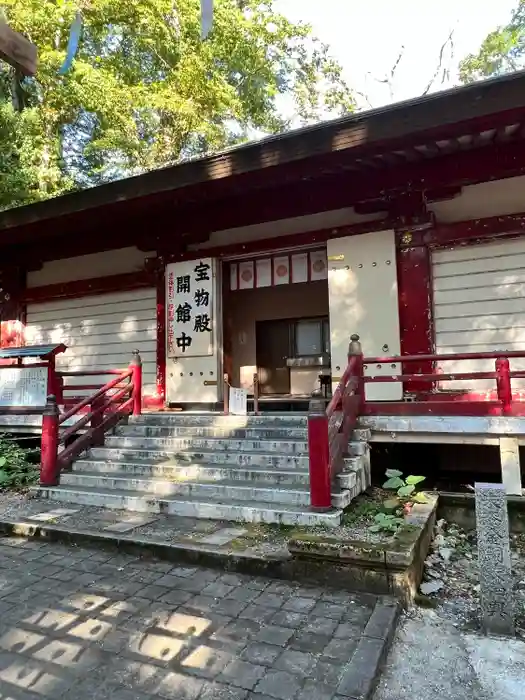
273 349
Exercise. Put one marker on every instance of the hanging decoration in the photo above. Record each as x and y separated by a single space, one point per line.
72 45
206 17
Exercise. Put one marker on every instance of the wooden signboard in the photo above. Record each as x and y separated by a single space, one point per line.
16 50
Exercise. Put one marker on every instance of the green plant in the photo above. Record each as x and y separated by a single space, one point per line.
16 467
386 522
405 489
361 510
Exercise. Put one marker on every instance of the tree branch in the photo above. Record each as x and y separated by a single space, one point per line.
448 40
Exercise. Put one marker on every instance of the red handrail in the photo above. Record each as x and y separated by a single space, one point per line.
444 358
329 429
53 461
502 374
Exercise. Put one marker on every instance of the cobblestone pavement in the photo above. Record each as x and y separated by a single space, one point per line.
89 624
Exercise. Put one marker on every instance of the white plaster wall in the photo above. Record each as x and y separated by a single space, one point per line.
479 306
284 227
110 262
100 332
495 198
363 297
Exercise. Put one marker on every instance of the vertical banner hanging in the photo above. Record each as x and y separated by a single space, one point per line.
206 17
72 44
281 270
264 272
234 270
189 308
300 267
318 265
246 275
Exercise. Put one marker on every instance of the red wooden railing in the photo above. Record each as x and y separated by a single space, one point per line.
502 374
329 428
97 413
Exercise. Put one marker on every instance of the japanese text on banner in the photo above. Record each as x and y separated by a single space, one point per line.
190 308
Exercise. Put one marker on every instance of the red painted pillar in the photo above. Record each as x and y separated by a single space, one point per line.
414 276
136 378
49 472
55 383
503 383
319 455
161 334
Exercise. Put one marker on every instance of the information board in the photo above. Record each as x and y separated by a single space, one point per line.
23 386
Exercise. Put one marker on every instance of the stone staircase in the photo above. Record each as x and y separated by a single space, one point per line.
250 468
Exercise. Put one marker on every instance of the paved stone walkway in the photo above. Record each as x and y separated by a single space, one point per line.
87 624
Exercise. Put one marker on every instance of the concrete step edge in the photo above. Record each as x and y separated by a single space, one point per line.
254 512
241 485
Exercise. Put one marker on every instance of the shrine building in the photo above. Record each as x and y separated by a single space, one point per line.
403 225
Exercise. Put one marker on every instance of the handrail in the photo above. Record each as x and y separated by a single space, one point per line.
445 358
87 372
329 428
89 399
53 461
339 392
502 372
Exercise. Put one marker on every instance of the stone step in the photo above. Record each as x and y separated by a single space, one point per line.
269 420
175 472
255 432
218 490
361 434
263 459
357 448
191 507
280 447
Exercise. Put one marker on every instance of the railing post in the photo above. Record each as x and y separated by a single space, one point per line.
319 454
355 350
226 392
49 471
503 383
256 394
136 378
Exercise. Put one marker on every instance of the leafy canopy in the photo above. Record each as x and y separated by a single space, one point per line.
503 50
145 91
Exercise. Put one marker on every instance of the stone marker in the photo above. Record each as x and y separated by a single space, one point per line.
495 573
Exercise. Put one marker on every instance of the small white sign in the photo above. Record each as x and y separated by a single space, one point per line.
238 405
190 308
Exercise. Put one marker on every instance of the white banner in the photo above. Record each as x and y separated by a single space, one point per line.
281 270
300 267
318 266
238 405
189 308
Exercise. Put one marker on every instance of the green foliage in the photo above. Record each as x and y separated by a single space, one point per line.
144 91
502 51
386 522
360 510
393 509
405 489
16 468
